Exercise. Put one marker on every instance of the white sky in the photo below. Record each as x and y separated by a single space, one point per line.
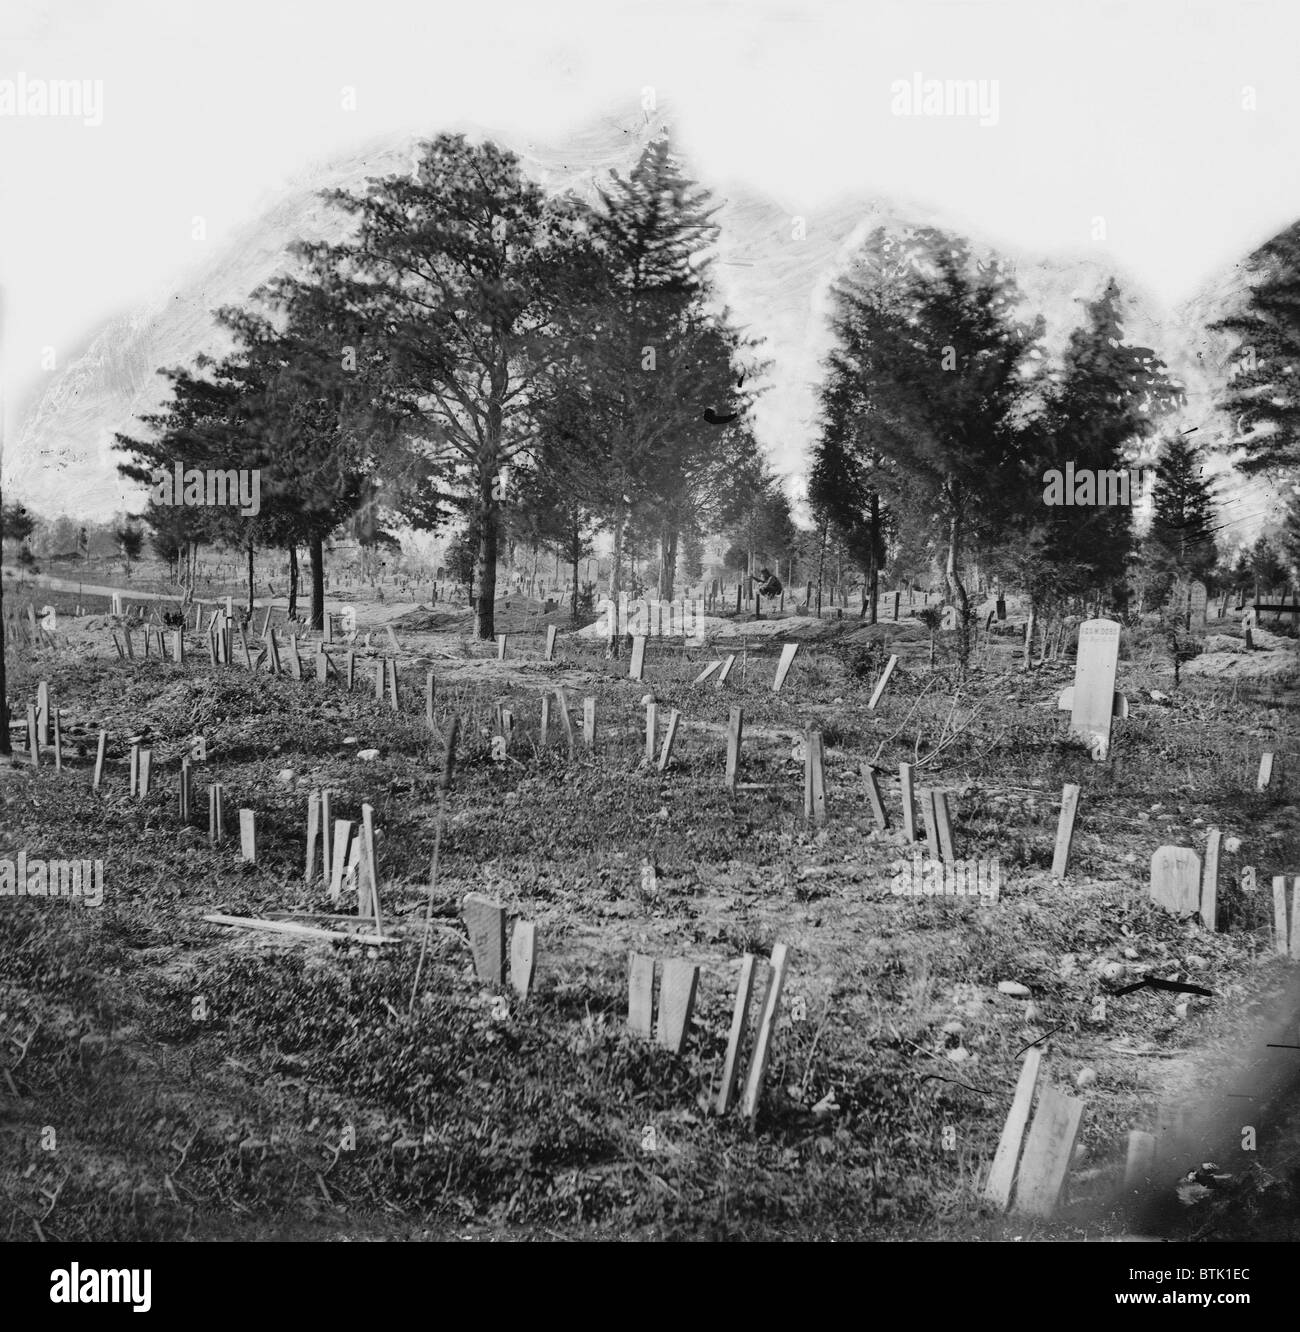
1131 111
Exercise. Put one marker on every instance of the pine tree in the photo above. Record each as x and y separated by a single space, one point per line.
1263 392
927 340
1181 540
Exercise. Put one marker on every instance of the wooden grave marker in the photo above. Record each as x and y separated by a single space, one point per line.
381 675
326 846
272 654
788 654
881 683
651 731
342 835
1209 906
1265 777
735 732
1065 830
216 814
544 734
906 791
814 777
1197 599
1049 1148
144 771
486 922
58 739
295 661
943 826
392 685
1295 919
564 719
248 835
636 669
926 795
43 712
523 957
1280 932
368 878
1176 879
677 986
186 791
726 670
589 722
669 736
550 642
1002 1172
428 699
707 671
99 761
640 993
763 1040
352 669
739 1022
501 647
1093 703
874 796
322 666
313 834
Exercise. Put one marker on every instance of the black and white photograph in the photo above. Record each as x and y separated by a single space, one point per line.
660 621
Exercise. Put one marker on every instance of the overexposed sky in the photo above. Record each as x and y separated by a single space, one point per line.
1134 112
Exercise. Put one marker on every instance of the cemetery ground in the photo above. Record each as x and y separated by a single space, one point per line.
204 1082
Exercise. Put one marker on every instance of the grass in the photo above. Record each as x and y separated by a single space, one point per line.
206 1084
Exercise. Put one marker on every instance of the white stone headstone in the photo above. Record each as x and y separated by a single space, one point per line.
1197 599
1094 684
1176 879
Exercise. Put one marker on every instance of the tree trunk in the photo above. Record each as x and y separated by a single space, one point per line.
250 580
316 553
486 564
667 563
575 550
953 584
293 581
821 565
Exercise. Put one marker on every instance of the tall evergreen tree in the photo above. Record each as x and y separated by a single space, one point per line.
1263 392
1181 541
927 337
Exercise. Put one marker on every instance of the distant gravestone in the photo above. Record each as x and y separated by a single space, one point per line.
1176 879
1094 684
486 922
1197 600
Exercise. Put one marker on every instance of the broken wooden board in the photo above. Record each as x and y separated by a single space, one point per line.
788 654
550 642
486 922
763 1040
676 1003
342 835
943 825
926 795
881 683
299 931
1002 1172
216 813
651 731
1094 685
523 956
1049 1149
1065 830
640 993
99 761
1176 879
726 669
739 1021
707 671
874 796
313 834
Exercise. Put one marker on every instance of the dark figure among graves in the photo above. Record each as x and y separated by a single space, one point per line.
768 585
